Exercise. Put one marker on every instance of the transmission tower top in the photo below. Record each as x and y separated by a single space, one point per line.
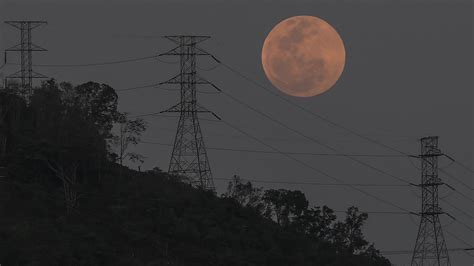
189 157
33 23
26 49
430 247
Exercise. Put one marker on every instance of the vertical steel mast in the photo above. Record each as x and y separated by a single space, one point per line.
26 49
430 248
189 157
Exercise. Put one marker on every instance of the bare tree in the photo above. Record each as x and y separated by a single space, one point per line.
68 176
130 132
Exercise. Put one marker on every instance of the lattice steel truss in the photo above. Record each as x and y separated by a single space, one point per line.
189 157
430 248
26 49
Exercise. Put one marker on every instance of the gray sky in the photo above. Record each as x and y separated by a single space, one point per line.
408 74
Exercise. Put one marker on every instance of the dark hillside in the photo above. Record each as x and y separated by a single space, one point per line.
67 200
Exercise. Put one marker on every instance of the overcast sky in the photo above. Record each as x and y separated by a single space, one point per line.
408 74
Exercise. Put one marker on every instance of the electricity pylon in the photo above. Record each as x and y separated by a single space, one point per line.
430 248
189 156
26 49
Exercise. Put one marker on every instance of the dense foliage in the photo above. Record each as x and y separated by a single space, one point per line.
68 199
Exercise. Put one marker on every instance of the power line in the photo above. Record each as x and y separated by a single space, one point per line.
307 137
248 79
136 36
313 183
293 153
464 166
430 245
380 212
159 114
459 239
327 146
464 195
456 179
99 63
409 252
315 169
209 68
462 241
319 117
288 140
465 225
157 86
385 253
138 87
311 138
327 120
189 156
323 118
285 127
458 209
166 62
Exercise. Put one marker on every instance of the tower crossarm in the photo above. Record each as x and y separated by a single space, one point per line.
189 157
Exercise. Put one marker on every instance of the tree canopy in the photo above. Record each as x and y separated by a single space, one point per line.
69 199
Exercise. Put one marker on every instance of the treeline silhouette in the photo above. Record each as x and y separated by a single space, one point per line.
67 198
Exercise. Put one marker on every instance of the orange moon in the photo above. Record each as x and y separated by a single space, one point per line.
303 56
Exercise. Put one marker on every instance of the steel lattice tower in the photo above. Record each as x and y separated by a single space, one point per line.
430 248
189 156
26 49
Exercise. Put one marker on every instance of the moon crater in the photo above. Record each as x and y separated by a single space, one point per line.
303 56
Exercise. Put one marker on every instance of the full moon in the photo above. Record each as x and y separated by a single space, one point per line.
303 56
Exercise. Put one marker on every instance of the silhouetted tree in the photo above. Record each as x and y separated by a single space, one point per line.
64 137
245 194
316 222
98 104
60 132
284 204
11 107
55 142
129 132
348 234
